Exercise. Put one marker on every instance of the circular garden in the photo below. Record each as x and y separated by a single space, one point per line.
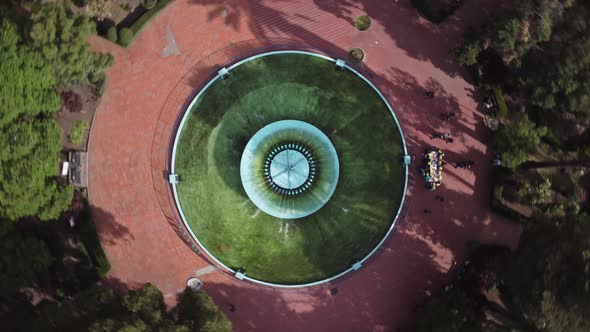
351 193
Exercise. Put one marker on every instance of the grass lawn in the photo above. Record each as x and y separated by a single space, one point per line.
370 186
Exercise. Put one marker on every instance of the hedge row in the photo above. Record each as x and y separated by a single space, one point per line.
124 36
502 108
145 18
89 238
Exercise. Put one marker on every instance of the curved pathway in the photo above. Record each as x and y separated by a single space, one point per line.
152 79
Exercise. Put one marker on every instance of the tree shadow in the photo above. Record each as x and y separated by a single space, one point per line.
366 297
110 231
267 22
118 285
400 21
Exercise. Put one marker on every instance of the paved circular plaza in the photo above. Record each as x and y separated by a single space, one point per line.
183 47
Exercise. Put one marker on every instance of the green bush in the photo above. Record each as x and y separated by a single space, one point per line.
145 18
362 22
99 84
552 139
112 34
89 238
468 53
76 135
125 36
502 108
125 6
535 192
148 4
514 141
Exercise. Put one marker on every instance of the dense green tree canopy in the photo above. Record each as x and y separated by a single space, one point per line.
198 312
544 286
60 37
23 257
563 84
455 312
515 141
550 275
31 138
101 310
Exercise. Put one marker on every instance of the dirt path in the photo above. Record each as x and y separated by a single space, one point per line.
405 55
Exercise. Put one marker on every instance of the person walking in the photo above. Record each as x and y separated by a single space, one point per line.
448 116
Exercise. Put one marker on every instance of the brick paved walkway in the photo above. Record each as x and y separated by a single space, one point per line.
149 83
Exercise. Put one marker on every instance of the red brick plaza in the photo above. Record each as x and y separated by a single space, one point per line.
405 55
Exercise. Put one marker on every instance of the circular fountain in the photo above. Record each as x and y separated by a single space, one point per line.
288 177
289 169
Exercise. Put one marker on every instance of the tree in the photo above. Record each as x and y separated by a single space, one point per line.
549 275
516 140
23 257
453 312
197 311
535 192
463 306
563 83
60 37
147 303
30 135
468 53
100 310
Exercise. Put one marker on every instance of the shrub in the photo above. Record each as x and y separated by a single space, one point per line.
125 6
468 53
363 22
99 85
535 192
502 108
76 135
145 18
89 238
125 36
148 4
112 34
356 55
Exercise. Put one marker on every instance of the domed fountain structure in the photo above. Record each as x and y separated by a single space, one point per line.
289 169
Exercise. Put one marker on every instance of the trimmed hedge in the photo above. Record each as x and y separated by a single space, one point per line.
502 108
125 36
89 238
148 4
145 18
112 34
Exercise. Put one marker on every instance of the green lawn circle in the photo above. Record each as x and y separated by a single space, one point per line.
217 128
